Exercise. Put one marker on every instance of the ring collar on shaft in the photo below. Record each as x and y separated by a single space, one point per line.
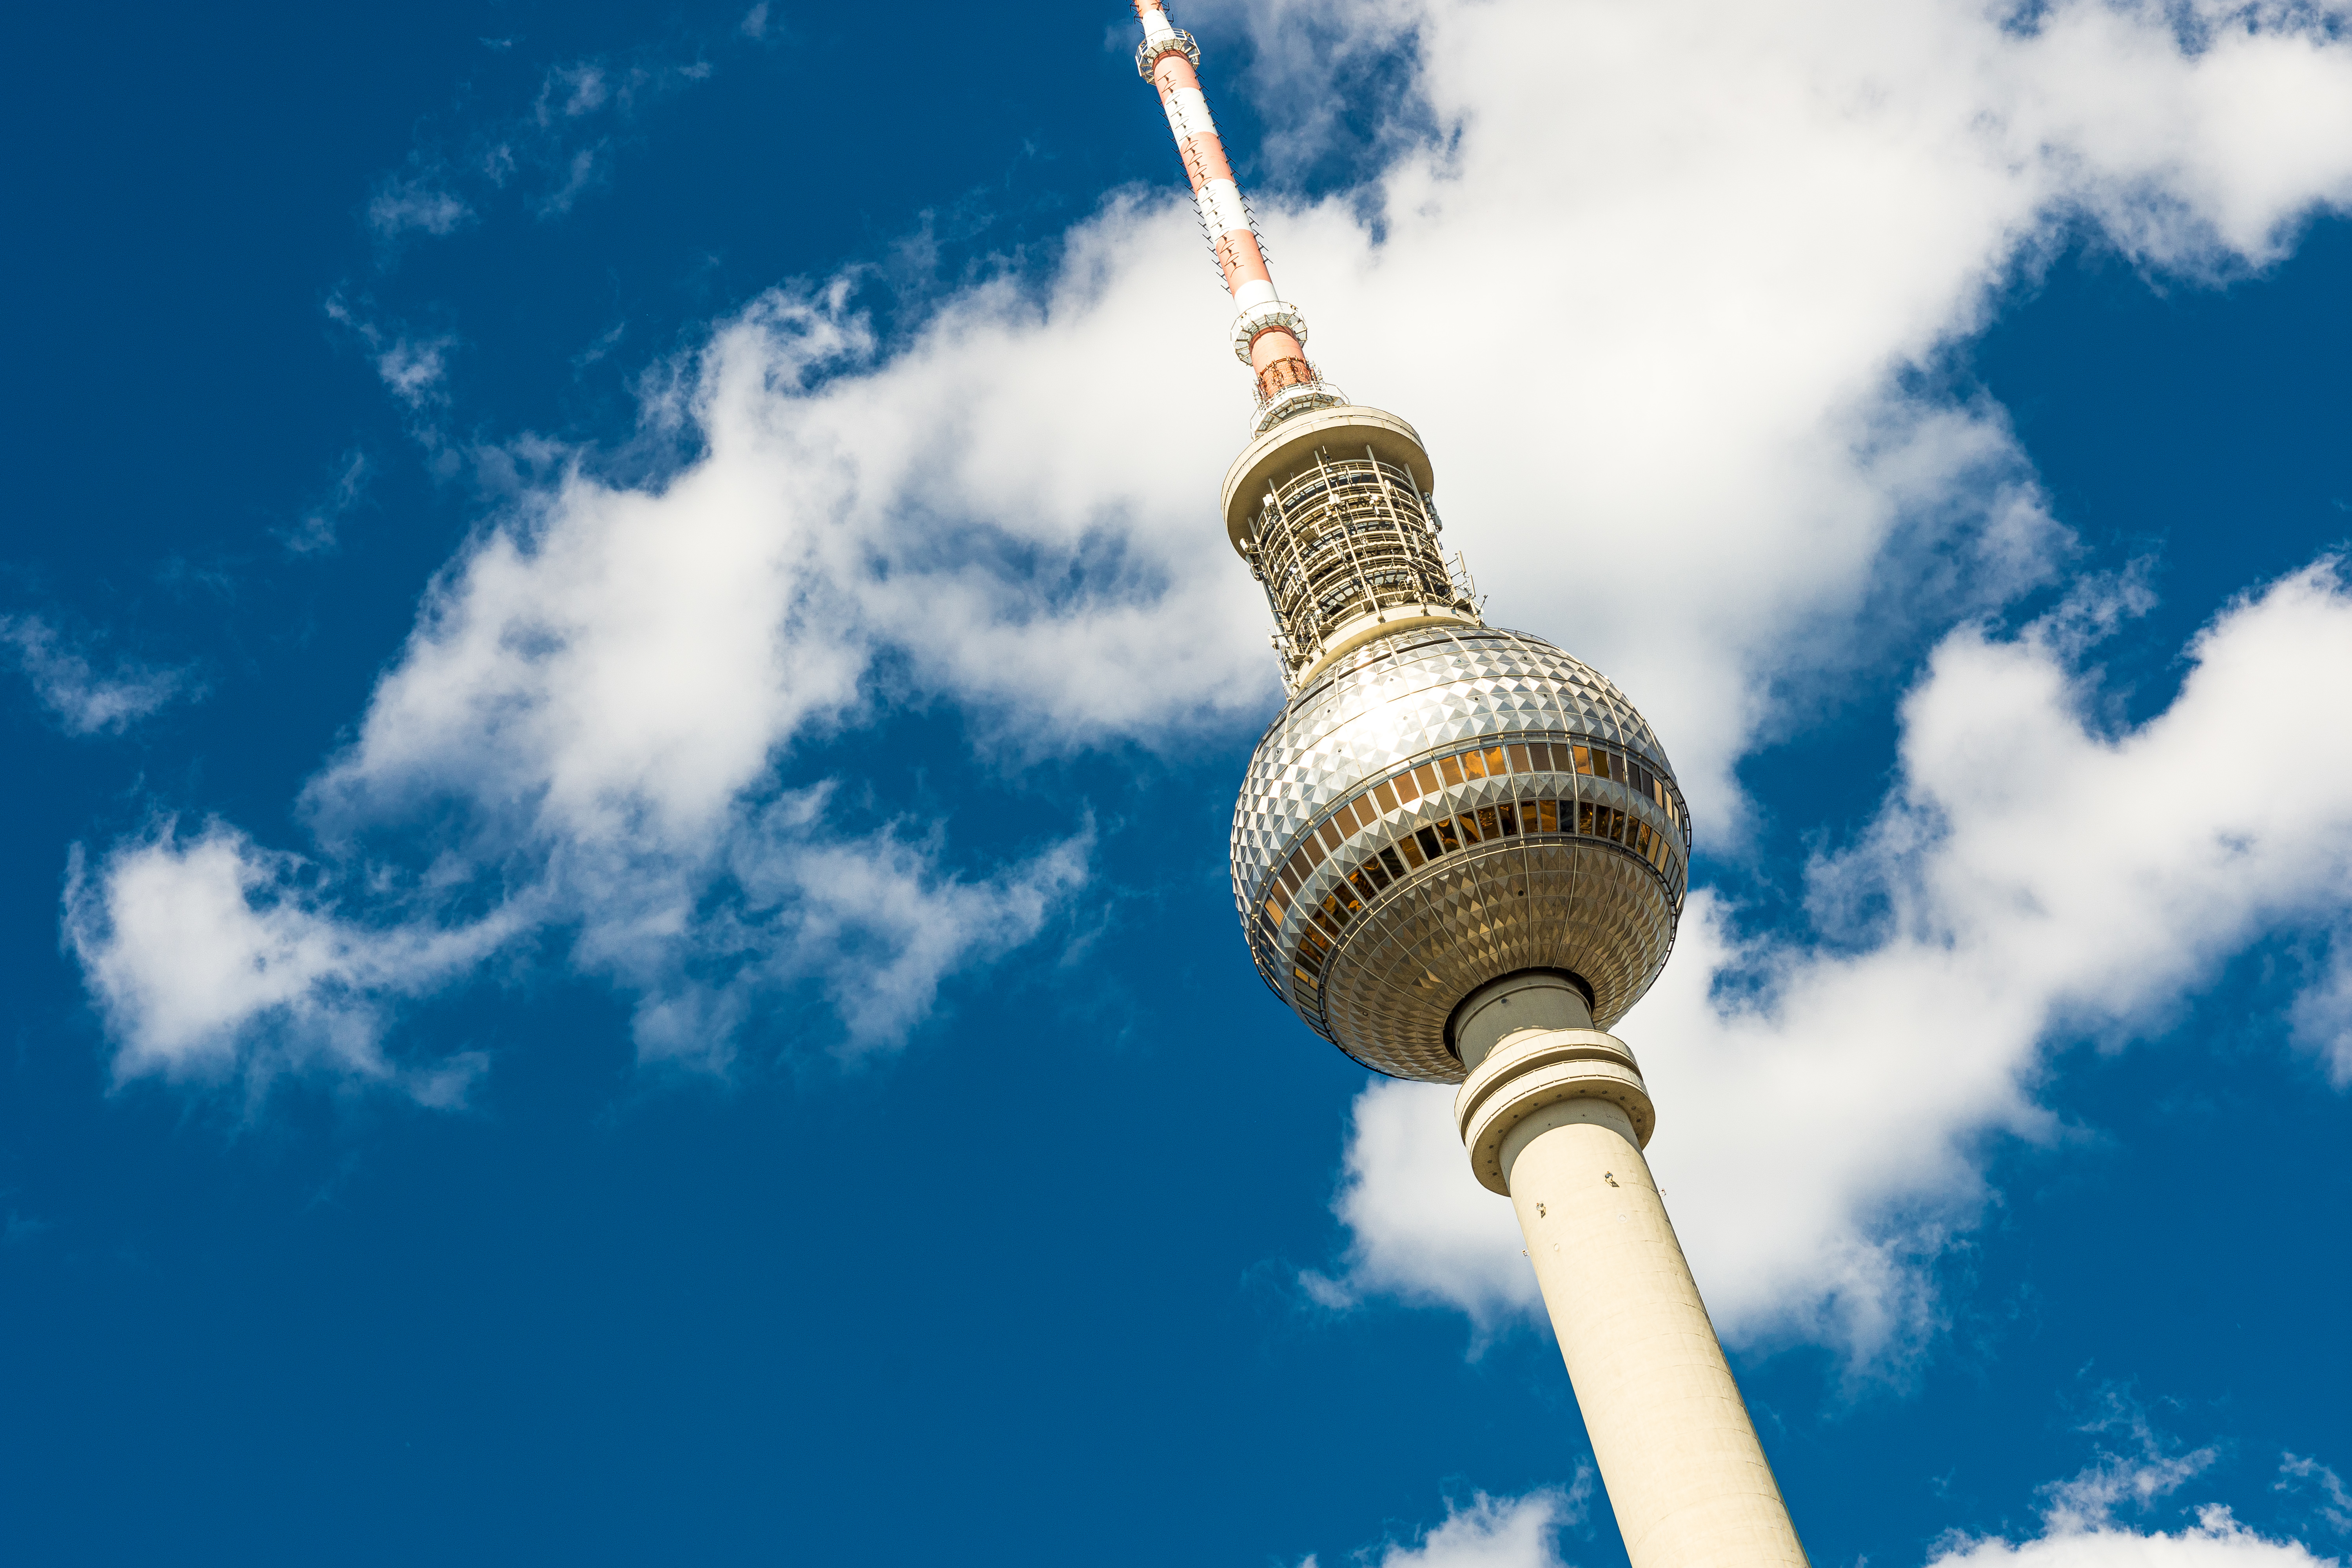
1532 1069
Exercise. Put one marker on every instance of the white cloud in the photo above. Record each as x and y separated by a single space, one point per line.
84 698
320 528
571 90
2216 1541
2151 1468
553 148
212 960
2335 1506
1420 1228
206 953
1491 1532
418 206
2085 1522
1826 1101
2322 1016
414 368
2080 1522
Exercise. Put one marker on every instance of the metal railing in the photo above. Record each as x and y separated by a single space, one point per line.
1347 538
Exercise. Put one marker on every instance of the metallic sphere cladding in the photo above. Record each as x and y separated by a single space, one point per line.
1439 807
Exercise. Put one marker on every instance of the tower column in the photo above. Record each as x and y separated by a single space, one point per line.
1556 1117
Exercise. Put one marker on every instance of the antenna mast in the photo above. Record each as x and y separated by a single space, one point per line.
1269 332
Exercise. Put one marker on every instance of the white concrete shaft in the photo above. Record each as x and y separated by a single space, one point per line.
1686 1477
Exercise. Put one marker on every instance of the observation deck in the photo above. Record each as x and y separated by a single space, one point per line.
1332 510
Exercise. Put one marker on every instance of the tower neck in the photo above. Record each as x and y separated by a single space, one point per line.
1332 510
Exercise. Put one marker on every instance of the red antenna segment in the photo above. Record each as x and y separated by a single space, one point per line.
1269 332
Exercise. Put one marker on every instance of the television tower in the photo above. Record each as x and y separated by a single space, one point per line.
1460 855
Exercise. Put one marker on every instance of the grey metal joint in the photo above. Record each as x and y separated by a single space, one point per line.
1148 53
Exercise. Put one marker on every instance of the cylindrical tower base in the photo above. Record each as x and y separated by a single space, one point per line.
1557 1117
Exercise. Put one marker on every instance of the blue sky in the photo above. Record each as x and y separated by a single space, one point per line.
626 697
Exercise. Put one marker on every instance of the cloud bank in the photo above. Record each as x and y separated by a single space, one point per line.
1719 257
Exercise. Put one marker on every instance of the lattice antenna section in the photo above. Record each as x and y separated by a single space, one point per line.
1344 539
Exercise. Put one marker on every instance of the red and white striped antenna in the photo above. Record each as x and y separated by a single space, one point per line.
1269 332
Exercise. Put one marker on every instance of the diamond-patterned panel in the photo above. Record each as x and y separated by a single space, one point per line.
1401 959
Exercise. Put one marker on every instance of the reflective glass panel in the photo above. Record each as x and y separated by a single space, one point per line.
1425 775
1431 843
1584 758
1521 762
1475 764
1386 797
1504 814
1495 766
1550 817
1449 770
1410 845
1407 790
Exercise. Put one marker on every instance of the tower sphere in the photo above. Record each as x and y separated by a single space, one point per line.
1440 804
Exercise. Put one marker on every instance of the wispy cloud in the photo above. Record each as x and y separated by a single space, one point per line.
320 528
213 959
413 366
2215 1541
401 206
1524 1531
2150 1466
2322 1016
2092 1519
2333 1507
1487 1533
549 150
88 695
